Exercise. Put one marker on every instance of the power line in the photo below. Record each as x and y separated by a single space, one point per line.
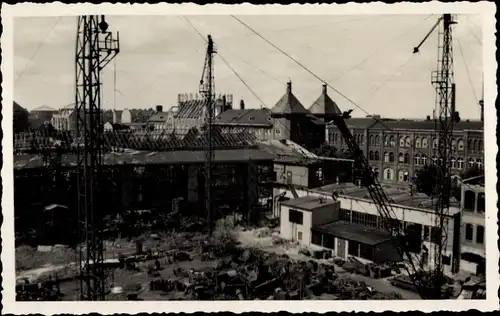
467 70
49 34
379 121
381 48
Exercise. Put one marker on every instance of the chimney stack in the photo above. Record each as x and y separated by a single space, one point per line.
428 118
289 87
159 108
242 105
324 88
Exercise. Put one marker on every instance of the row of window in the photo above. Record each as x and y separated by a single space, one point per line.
469 233
473 204
421 160
406 142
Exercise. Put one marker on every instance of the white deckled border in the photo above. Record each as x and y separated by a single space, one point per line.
488 10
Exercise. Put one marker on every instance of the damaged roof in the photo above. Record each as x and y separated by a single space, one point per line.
245 117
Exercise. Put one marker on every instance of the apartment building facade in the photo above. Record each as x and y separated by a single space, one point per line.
396 149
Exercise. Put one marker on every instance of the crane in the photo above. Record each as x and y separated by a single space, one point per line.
443 81
95 48
207 89
428 288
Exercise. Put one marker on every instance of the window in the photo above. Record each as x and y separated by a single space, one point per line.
406 158
392 141
480 203
362 139
475 145
460 145
407 141
469 231
391 157
435 143
388 174
386 157
479 163
299 235
424 142
460 163
377 155
417 159
401 157
372 140
377 140
479 145
345 215
387 141
370 155
471 162
295 217
480 234
401 175
453 144
453 162
402 141
434 159
278 131
424 160
418 143
470 144
329 241
469 200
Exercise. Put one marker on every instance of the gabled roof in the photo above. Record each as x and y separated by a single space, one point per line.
244 117
44 108
158 117
289 104
324 105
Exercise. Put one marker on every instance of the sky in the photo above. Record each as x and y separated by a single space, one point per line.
368 58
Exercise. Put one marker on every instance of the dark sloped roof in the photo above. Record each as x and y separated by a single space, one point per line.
158 117
245 117
354 232
371 123
192 109
289 104
324 105
149 157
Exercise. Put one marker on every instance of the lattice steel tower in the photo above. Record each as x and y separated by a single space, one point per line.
207 89
95 48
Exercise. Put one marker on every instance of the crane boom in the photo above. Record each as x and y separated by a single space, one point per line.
377 194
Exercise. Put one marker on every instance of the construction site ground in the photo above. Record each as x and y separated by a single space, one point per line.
35 265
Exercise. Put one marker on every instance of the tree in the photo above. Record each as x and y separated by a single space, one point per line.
326 150
426 179
20 119
472 172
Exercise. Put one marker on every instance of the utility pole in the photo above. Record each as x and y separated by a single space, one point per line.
95 48
443 81
207 89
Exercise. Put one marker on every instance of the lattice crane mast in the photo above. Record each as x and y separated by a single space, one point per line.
207 89
95 48
443 81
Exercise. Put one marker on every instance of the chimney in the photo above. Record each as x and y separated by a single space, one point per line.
321 200
289 87
159 108
324 88
224 101
428 118
242 105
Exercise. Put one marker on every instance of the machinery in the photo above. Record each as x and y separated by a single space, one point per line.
95 48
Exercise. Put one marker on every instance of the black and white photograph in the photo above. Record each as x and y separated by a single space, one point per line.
231 153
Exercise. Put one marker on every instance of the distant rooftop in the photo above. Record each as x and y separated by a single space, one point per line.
289 104
245 117
397 195
307 203
324 105
44 108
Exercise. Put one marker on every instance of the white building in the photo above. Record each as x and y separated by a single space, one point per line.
355 229
473 252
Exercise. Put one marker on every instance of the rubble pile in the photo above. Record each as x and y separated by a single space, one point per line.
249 274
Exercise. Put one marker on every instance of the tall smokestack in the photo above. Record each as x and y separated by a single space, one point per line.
289 87
242 105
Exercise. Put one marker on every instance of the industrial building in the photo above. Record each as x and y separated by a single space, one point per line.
355 222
